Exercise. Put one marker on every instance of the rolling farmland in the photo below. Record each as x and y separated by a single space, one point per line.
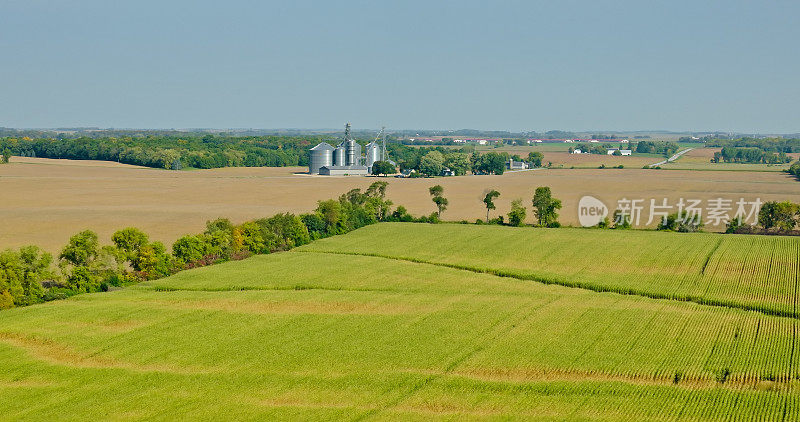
49 200
415 321
700 159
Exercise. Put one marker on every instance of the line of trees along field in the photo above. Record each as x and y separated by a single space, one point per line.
749 155
27 275
170 152
776 145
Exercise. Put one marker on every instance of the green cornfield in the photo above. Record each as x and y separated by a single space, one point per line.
420 322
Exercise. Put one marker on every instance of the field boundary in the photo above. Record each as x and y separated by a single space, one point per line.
580 285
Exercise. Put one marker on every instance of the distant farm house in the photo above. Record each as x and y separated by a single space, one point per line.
516 165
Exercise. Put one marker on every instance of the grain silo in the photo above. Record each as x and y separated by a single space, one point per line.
353 152
345 159
320 156
373 154
339 155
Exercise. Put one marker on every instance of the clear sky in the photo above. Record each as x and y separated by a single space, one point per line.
514 65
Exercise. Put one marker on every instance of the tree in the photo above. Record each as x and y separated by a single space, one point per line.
622 220
432 163
535 158
377 189
130 240
489 163
35 265
81 249
779 215
681 223
331 212
545 207
219 237
6 157
383 167
516 217
488 200
795 169
376 203
288 228
189 248
458 163
315 225
441 202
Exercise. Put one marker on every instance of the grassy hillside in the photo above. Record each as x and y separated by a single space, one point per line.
311 334
750 272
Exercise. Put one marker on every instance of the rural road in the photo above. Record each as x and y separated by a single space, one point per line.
673 158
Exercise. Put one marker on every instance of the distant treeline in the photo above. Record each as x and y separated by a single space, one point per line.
170 152
431 161
749 155
776 145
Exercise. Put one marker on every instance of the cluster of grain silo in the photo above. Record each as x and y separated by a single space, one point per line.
343 160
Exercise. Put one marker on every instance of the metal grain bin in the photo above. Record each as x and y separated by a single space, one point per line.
352 155
320 156
373 153
338 155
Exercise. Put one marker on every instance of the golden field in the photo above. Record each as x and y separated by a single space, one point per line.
45 201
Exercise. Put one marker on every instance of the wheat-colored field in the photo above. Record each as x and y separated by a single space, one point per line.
700 159
45 201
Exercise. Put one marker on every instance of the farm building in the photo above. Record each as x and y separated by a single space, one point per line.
516 165
345 159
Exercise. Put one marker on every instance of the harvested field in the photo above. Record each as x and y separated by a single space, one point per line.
46 201
700 159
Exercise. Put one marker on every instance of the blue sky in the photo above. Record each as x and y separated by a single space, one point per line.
514 65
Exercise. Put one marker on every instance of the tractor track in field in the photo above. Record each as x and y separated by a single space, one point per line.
698 300
499 328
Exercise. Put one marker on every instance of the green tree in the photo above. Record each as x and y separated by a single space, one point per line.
288 229
219 237
432 163
130 240
681 222
81 250
331 212
189 248
536 157
516 217
458 163
622 220
488 201
6 157
35 265
545 207
383 167
437 196
489 163
82 279
778 215
153 261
